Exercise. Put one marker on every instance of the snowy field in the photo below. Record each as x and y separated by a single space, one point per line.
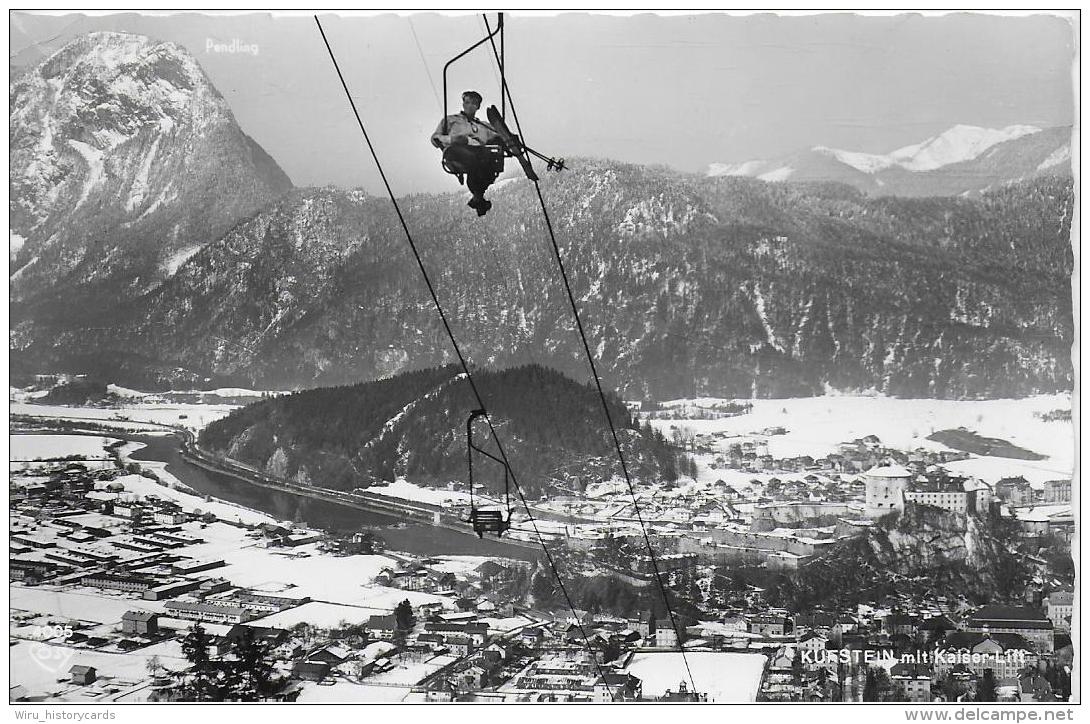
86 604
322 615
194 417
725 677
815 425
301 571
409 491
408 673
344 692
37 667
40 447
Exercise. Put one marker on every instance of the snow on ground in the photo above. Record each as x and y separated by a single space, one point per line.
194 417
137 486
345 692
125 392
303 569
40 447
815 425
725 677
322 615
408 673
37 666
460 564
84 604
503 625
410 491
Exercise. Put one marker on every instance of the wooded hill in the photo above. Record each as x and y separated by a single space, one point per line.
413 426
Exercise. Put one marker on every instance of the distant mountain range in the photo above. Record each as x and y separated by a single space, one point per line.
961 160
156 245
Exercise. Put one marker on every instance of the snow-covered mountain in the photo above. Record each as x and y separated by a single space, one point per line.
125 160
962 159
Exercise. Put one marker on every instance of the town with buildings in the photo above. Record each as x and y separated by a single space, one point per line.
116 580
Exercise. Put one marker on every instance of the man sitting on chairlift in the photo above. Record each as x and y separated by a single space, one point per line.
470 150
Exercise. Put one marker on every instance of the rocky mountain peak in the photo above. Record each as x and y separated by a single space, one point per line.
125 160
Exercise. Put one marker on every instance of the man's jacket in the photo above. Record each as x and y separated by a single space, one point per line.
458 126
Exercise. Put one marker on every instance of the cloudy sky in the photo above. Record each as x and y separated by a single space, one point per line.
681 90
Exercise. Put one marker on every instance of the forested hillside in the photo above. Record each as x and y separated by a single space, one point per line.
413 426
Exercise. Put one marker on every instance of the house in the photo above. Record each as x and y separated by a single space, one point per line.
820 622
900 624
617 686
783 659
439 689
458 644
332 655
914 678
769 624
532 636
498 651
142 623
1059 607
473 677
812 643
265 634
665 634
82 675
310 670
1015 491
382 627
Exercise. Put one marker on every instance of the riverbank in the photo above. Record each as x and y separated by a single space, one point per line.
163 452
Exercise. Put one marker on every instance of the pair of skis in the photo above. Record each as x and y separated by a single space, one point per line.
514 145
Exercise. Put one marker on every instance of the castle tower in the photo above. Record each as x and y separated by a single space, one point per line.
886 486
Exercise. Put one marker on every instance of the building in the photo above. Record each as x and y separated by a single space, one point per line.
141 623
1015 491
1005 654
769 624
82 675
168 516
382 627
170 589
914 678
616 686
665 635
310 670
1059 607
119 582
885 489
1029 623
206 612
1058 491
813 643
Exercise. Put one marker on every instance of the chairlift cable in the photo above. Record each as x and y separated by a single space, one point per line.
458 351
427 68
602 396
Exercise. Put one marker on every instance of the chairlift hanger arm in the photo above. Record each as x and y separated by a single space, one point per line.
482 41
469 437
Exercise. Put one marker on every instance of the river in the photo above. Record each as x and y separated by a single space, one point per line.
415 538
